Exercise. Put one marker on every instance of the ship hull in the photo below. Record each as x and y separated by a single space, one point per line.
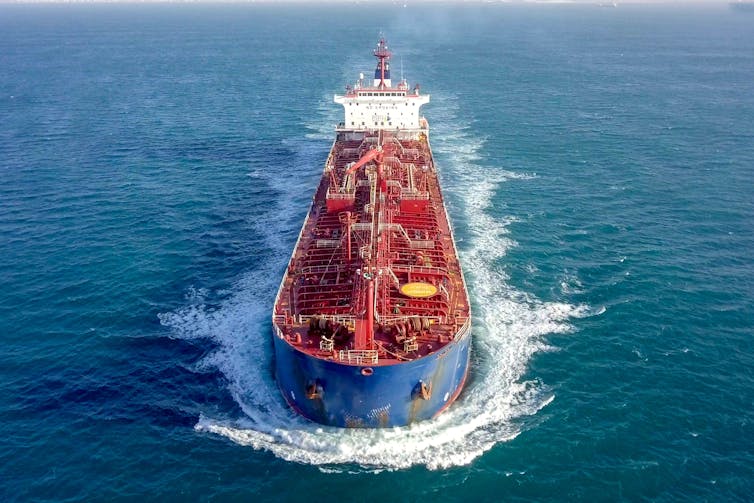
372 320
370 397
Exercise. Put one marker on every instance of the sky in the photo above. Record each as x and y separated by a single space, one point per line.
382 1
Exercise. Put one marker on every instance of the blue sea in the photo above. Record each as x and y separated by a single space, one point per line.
157 161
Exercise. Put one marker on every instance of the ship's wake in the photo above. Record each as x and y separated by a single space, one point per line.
509 327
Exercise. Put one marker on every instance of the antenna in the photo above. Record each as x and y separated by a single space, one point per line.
401 67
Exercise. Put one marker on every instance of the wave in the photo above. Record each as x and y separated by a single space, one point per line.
509 326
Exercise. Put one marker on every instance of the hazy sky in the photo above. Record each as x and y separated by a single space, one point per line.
409 2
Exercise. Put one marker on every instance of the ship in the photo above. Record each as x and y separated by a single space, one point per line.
372 322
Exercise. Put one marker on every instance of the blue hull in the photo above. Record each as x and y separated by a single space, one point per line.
360 396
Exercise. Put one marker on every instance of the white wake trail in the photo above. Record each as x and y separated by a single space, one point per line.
509 327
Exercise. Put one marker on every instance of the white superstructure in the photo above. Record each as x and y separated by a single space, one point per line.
382 106
374 108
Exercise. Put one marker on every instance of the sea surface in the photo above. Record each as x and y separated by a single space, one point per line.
157 161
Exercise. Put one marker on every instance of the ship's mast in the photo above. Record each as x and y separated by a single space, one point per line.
382 72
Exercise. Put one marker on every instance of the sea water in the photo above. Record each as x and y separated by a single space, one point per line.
156 164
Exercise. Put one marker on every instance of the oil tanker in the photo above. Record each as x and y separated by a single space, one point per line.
372 322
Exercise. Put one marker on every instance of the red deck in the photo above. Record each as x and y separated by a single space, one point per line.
371 230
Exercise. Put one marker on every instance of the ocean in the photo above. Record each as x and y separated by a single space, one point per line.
156 164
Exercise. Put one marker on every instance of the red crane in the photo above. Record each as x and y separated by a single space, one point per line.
374 154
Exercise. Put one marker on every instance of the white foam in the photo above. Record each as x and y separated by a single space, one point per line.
509 326
570 283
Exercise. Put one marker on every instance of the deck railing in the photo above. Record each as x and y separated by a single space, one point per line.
361 226
337 318
464 328
422 244
394 318
420 269
341 196
415 196
321 269
327 243
359 356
